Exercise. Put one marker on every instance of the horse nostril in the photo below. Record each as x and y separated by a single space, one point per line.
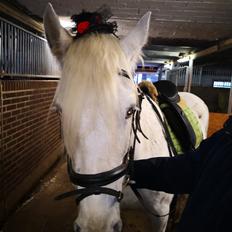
117 227
77 228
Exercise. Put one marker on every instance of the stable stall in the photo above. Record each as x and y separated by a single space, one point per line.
189 44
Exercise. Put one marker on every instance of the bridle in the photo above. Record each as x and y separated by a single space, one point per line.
93 184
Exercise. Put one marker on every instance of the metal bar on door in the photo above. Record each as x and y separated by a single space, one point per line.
1 47
185 89
229 111
190 76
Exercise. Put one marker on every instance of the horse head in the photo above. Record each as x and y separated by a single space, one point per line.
98 100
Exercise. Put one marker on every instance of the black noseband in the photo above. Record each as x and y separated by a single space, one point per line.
93 183
99 179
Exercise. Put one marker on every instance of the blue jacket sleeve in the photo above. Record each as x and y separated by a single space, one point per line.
172 174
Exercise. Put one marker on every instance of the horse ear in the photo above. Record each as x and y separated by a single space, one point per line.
58 38
133 43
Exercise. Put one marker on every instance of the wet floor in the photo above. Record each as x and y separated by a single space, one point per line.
40 213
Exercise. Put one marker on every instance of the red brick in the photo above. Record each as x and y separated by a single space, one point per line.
11 107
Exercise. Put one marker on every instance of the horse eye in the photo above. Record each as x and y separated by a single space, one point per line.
129 112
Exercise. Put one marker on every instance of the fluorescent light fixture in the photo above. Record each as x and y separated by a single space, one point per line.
66 22
186 58
155 61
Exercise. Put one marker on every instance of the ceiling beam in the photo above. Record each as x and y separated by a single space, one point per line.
219 47
23 18
167 48
166 58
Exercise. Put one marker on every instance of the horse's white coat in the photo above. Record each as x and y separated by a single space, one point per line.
94 100
199 108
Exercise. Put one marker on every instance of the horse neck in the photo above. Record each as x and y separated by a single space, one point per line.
156 144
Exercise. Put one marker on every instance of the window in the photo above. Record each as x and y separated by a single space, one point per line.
149 76
222 84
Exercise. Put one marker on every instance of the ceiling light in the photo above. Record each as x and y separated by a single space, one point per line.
187 58
66 22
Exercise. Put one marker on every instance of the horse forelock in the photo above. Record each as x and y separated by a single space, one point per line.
89 82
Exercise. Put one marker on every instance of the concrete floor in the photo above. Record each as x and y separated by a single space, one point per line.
40 213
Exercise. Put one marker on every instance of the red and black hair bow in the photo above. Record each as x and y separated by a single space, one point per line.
87 22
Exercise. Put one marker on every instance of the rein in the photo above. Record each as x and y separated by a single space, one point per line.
171 149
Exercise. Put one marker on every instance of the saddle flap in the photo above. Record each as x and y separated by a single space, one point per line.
178 122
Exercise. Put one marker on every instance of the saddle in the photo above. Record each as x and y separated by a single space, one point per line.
169 101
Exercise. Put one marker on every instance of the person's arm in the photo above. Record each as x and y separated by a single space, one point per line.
171 174
168 174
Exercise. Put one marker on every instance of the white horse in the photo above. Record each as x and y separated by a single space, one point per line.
98 100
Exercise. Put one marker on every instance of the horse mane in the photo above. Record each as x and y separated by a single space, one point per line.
89 81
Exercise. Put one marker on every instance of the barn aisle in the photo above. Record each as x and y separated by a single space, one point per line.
30 132
40 213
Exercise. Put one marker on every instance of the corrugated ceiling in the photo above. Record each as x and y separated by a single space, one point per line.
190 24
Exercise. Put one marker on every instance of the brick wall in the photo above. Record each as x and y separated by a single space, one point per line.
30 140
1 166
30 135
